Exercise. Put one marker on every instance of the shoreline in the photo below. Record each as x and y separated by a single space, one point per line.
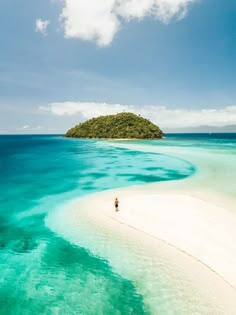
191 229
87 221
181 220
115 139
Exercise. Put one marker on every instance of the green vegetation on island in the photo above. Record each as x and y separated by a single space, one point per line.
119 126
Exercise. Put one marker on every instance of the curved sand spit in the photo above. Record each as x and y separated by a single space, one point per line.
174 247
175 240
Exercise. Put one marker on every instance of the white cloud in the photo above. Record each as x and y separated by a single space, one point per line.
37 128
161 115
164 10
90 20
85 109
41 26
100 20
30 128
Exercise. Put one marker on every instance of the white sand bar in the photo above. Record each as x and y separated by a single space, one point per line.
201 229
176 248
175 240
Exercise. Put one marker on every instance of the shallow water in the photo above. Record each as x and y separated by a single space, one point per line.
42 273
169 282
213 155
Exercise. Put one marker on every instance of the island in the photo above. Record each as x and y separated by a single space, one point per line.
119 126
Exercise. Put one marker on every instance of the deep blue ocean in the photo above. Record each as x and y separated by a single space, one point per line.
42 273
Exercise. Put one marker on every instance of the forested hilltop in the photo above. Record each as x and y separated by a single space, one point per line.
119 126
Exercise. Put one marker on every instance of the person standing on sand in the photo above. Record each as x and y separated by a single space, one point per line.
116 204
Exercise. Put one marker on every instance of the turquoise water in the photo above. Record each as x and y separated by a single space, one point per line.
213 155
221 141
42 273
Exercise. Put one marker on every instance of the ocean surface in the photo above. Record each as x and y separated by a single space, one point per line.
42 273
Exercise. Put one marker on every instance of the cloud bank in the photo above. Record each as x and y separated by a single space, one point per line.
99 21
41 26
164 117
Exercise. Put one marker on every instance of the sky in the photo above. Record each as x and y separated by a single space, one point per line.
64 61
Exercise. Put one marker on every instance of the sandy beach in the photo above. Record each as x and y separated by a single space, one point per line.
173 239
188 240
197 227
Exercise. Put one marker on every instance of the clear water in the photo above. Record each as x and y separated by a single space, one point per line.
213 155
169 282
42 273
